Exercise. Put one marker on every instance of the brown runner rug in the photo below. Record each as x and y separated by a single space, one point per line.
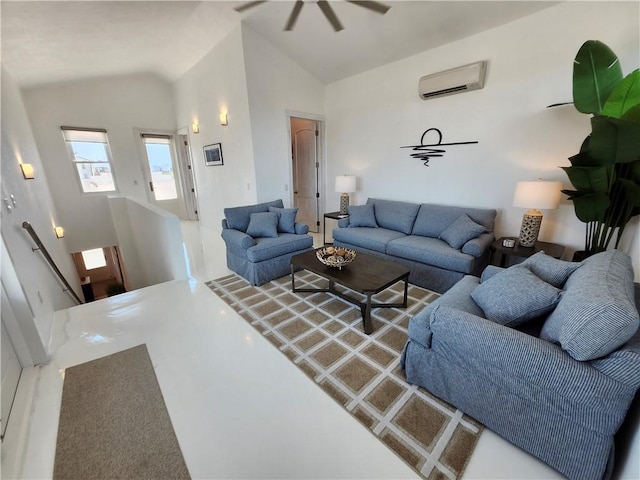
114 422
323 336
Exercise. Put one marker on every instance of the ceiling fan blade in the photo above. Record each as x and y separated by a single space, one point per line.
371 5
246 6
293 18
330 14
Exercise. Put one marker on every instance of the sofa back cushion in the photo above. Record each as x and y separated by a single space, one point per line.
597 312
394 215
238 217
432 220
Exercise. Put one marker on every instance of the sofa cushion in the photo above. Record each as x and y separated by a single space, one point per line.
263 224
597 313
431 251
432 220
286 219
515 295
238 217
550 269
267 248
461 231
395 215
375 239
361 216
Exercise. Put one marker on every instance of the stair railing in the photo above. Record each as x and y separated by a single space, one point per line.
27 226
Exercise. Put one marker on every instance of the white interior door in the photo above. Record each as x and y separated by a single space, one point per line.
306 172
186 174
11 370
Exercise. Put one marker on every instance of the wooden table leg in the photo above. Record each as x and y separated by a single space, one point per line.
366 315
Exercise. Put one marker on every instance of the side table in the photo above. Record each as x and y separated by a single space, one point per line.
333 216
552 249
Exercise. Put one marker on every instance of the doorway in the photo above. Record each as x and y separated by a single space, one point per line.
100 271
305 148
185 164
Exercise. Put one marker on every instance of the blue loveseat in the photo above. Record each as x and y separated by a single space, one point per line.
439 244
261 239
555 367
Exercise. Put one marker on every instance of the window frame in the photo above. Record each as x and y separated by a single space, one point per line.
171 135
74 163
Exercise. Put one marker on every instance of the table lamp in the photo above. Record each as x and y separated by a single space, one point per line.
535 196
345 184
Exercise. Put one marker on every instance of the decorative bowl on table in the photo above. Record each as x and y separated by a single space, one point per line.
336 256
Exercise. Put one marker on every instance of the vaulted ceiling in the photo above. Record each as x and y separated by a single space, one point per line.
52 41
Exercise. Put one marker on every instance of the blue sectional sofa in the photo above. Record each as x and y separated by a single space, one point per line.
440 244
262 238
551 366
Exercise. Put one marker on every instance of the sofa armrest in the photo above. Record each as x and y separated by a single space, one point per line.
521 361
301 228
343 222
477 246
237 238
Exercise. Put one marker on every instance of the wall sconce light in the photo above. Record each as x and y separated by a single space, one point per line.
27 171
195 127
223 119
59 232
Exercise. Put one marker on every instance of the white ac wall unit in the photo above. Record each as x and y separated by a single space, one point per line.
460 79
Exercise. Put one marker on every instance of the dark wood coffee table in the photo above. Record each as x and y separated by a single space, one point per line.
367 275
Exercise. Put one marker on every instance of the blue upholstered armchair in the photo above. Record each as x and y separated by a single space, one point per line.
262 238
559 391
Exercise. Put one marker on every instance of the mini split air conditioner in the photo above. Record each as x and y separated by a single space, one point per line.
460 79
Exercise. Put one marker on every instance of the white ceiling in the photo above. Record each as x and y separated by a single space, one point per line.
52 41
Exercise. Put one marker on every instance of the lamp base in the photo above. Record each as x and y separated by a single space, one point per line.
530 228
344 203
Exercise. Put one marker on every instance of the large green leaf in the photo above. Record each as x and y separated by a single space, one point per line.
624 96
632 115
614 140
591 207
596 72
588 179
631 192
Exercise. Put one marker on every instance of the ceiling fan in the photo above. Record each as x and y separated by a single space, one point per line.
324 6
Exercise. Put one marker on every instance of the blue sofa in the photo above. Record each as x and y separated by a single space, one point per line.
439 244
559 380
261 239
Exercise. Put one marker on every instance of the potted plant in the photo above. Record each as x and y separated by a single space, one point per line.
606 172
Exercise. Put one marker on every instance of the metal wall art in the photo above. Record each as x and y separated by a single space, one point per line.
425 151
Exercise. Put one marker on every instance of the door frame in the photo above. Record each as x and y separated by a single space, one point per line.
320 157
146 173
183 164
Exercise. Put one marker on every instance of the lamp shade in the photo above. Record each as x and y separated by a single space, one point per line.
537 195
345 184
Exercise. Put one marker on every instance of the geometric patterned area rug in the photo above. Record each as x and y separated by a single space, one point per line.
323 335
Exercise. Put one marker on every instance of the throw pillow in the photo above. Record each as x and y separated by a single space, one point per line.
550 269
362 216
286 219
263 224
461 231
515 295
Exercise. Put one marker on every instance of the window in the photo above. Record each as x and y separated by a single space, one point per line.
160 165
89 150
94 259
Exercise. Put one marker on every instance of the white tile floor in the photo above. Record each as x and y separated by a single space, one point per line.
240 409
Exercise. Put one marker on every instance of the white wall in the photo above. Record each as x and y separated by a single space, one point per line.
217 83
276 86
118 104
370 116
34 204
150 242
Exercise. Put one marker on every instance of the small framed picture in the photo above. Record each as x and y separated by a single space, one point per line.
213 155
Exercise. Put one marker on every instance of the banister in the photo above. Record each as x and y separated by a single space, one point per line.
27 226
